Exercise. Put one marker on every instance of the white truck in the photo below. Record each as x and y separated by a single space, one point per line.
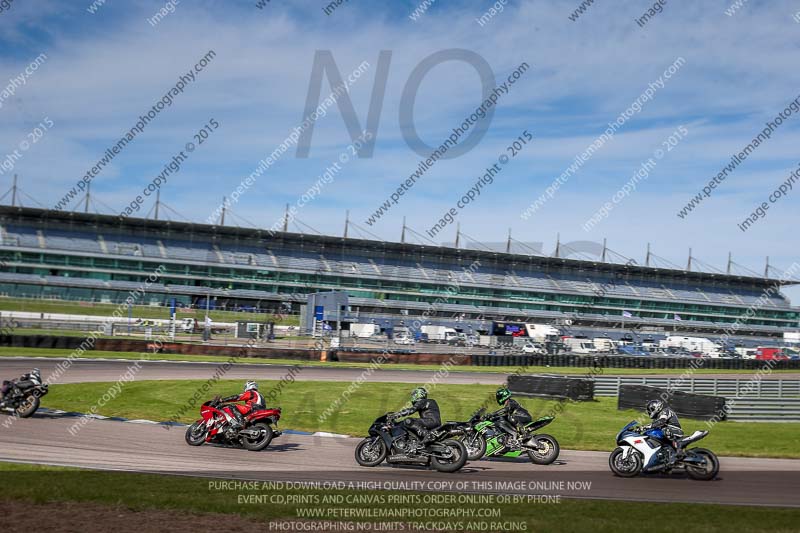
693 344
439 333
364 331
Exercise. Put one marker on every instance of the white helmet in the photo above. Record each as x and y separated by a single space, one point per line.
250 385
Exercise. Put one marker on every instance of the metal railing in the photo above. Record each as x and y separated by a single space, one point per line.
764 409
728 387
748 400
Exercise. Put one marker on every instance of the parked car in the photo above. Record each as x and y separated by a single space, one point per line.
632 350
533 348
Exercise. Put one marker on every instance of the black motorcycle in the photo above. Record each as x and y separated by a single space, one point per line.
22 396
388 440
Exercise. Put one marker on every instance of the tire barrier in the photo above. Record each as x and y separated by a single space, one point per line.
618 361
581 390
40 341
685 404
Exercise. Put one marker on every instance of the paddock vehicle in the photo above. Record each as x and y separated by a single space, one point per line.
440 334
388 440
482 438
213 427
22 396
533 348
765 353
639 450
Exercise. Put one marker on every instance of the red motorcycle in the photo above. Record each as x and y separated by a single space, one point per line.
214 427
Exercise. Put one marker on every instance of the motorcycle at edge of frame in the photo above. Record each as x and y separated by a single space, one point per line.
648 451
22 396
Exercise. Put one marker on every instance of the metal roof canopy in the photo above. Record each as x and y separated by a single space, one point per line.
41 217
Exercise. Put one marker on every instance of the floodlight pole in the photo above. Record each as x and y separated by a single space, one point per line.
14 192
88 194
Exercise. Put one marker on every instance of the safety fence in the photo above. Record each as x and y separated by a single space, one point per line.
746 400
764 409
728 387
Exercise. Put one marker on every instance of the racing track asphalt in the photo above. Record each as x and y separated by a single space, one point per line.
111 445
93 370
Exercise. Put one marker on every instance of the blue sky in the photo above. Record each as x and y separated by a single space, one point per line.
105 69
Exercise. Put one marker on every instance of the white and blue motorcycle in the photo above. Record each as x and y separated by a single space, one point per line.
648 451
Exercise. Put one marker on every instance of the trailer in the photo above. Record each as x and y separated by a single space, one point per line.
541 332
364 331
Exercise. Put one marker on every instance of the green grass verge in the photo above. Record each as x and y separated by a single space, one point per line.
578 425
143 492
48 352
139 311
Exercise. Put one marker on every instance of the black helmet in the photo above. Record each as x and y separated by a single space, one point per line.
654 408
502 395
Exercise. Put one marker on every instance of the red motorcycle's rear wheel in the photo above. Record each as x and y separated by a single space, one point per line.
263 439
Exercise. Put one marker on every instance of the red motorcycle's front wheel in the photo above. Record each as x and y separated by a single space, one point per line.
196 433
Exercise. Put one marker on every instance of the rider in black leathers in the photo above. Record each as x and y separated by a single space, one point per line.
511 417
429 416
26 381
667 421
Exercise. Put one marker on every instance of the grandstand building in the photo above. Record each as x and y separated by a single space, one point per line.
101 258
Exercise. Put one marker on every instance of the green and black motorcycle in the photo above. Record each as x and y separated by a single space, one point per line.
482 438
